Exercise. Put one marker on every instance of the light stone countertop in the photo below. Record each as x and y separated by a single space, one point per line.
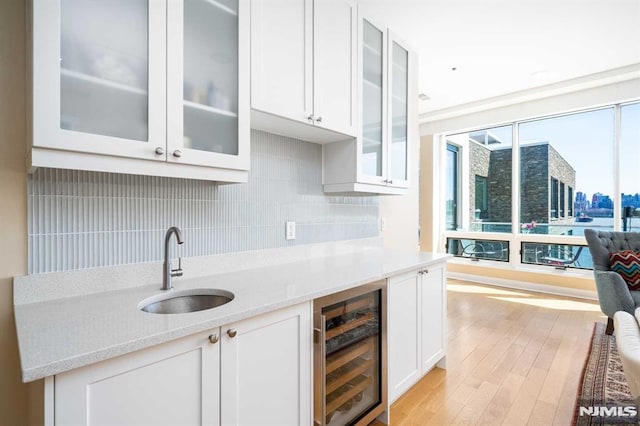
59 335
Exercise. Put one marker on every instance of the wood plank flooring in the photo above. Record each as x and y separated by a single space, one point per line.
514 358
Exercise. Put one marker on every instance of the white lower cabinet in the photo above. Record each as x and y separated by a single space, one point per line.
266 369
257 372
404 333
169 384
434 315
417 315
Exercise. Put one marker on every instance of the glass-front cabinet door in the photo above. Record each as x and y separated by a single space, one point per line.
208 71
98 76
373 91
398 104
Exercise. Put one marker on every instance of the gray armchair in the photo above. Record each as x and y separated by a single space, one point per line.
613 293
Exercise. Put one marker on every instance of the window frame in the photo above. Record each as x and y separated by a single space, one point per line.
455 149
515 238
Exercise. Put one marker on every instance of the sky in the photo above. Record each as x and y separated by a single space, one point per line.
586 141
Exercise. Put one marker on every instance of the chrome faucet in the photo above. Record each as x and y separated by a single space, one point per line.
169 273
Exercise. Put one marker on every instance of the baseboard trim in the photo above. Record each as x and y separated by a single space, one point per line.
521 285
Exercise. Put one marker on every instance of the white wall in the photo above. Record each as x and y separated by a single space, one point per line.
400 212
13 208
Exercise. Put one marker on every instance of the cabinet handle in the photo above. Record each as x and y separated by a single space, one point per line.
390 181
232 332
310 118
159 150
425 271
177 153
319 120
213 338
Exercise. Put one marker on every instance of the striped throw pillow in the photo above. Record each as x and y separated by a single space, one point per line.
627 264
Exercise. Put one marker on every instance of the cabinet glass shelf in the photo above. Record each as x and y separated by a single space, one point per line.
219 4
90 79
372 50
210 109
372 84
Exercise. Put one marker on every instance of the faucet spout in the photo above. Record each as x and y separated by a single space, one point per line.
169 273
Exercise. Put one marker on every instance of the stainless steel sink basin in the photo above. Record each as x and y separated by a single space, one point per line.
185 301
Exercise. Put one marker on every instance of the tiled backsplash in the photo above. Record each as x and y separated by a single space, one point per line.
83 219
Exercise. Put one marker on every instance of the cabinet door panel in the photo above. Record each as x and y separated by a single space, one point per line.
210 81
373 97
174 383
104 73
281 58
208 72
434 302
399 110
266 369
334 46
404 333
97 90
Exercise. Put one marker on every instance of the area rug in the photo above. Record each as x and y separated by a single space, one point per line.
604 397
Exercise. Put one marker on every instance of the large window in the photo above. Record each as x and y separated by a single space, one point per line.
484 187
566 172
630 166
568 151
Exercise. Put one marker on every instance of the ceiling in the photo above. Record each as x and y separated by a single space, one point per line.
499 47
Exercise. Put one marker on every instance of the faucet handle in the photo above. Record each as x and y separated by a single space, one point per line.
177 272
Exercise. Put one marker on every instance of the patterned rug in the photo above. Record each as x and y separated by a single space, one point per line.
604 397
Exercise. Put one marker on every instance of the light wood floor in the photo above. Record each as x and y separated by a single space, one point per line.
514 358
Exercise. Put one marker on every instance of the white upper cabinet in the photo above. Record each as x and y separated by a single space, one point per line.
399 110
208 74
377 161
280 48
373 83
96 89
303 70
334 78
119 81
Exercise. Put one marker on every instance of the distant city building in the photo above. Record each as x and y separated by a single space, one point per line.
629 200
601 201
581 202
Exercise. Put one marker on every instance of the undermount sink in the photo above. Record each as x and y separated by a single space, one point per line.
185 301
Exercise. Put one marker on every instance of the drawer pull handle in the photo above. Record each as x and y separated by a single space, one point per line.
213 338
232 333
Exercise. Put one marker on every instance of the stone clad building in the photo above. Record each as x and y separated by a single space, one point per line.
547 183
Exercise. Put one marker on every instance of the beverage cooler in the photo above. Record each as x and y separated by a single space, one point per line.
350 356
